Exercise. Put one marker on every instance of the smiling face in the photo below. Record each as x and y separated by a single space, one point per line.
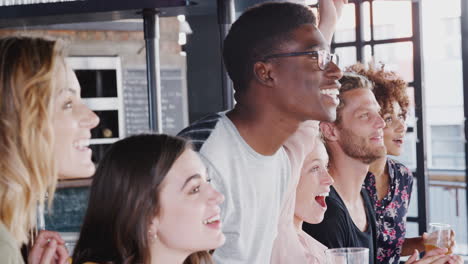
301 88
361 127
73 122
313 186
395 129
189 217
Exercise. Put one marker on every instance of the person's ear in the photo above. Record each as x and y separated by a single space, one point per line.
262 73
329 131
153 229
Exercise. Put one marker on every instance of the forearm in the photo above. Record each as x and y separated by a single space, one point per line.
329 13
328 19
411 244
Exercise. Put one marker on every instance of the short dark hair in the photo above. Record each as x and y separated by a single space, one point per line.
350 81
258 32
124 198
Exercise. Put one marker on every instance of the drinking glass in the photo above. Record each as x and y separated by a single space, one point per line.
439 237
347 256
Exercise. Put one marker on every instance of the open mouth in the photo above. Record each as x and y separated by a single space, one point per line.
320 199
332 93
82 144
398 141
377 139
214 220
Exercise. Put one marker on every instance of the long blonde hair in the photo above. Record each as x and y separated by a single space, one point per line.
27 91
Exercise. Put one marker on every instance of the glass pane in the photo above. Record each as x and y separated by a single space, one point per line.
347 56
346 27
386 25
397 57
412 229
366 27
413 207
97 83
443 68
367 53
108 126
447 143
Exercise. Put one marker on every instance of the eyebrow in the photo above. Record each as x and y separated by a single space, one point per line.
314 46
71 90
320 46
193 177
366 108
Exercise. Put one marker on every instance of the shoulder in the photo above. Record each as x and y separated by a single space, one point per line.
336 209
399 170
199 131
9 251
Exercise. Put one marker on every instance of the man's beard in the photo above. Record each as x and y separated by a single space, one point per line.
358 148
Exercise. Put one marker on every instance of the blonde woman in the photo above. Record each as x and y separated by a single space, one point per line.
44 133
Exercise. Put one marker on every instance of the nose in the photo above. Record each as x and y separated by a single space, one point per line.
379 122
401 125
326 179
215 197
333 72
88 119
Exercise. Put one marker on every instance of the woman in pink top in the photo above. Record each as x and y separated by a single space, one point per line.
309 180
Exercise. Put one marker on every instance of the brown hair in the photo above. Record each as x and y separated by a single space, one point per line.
388 86
350 81
27 169
124 198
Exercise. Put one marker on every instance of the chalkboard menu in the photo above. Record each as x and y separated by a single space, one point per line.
173 101
135 101
68 210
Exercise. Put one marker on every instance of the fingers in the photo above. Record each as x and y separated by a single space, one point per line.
45 236
49 252
62 254
436 252
425 236
440 259
452 238
454 259
413 257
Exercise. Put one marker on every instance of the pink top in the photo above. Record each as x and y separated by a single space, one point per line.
291 246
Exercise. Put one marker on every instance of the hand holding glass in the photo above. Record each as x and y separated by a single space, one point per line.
439 237
347 256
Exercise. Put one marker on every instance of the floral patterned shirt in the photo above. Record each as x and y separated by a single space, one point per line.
391 211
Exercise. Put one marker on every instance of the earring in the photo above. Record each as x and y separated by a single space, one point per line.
152 236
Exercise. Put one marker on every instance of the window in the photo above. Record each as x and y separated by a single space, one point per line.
448 147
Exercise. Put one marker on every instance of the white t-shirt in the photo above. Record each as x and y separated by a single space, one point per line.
253 186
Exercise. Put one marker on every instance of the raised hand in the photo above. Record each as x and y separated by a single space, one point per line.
330 12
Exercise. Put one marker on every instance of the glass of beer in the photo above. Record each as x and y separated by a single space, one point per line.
439 237
347 256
